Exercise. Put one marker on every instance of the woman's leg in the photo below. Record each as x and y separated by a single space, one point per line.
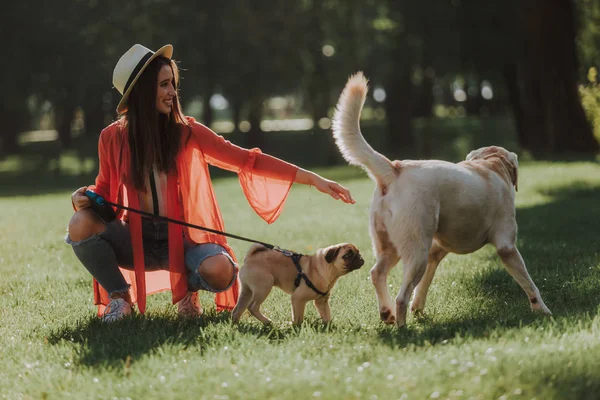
217 271
211 267
98 246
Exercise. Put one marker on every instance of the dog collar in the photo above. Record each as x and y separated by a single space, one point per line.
301 275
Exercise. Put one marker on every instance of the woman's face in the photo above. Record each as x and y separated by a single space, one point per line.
165 93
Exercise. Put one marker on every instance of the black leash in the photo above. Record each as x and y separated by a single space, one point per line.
104 210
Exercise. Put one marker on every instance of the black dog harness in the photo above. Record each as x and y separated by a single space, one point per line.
301 275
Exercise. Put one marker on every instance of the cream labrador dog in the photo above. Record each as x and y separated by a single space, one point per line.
423 210
306 278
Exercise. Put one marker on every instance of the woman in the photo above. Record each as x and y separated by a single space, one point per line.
155 159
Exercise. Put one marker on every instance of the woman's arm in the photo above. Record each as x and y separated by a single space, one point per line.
224 154
331 188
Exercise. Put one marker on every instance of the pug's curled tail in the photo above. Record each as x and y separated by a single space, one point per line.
348 137
255 248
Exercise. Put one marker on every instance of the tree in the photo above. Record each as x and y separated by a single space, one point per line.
588 38
548 111
260 57
17 85
487 41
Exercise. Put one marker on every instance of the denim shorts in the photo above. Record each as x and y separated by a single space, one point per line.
195 254
156 251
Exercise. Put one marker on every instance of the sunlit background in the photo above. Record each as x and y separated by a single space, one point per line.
259 72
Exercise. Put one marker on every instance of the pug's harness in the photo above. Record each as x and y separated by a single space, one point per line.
301 275
104 209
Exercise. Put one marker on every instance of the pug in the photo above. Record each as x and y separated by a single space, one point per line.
304 277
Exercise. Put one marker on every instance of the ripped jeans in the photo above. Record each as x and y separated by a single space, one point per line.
103 253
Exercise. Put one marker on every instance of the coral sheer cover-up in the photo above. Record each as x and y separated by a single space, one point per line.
265 181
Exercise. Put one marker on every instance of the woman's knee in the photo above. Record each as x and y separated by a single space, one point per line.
85 224
217 271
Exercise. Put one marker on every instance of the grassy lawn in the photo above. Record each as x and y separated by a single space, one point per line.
478 340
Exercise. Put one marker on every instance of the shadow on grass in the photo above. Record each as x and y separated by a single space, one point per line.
112 344
277 333
135 336
559 243
584 386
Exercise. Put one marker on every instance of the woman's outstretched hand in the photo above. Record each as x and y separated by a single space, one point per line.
331 188
334 189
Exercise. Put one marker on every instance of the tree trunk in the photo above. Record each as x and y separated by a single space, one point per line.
207 111
318 93
424 106
553 119
64 125
255 134
511 80
236 113
398 109
10 133
318 85
93 119
94 112
474 100
65 106
15 121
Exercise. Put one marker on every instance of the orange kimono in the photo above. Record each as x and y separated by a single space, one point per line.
265 181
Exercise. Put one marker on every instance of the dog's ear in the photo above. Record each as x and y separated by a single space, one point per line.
332 254
483 153
472 154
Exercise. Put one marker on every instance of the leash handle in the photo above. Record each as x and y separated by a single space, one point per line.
101 206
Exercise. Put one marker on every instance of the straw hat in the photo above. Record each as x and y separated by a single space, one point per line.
130 67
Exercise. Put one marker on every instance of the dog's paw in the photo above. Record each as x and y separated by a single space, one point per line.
417 307
400 315
387 316
418 313
541 309
400 324
538 306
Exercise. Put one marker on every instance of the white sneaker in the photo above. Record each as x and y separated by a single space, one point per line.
115 310
189 306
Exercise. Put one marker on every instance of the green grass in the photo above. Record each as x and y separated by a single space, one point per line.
478 340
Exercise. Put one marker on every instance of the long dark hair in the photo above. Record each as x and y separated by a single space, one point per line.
154 138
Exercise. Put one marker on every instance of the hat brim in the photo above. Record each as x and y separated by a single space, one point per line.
166 51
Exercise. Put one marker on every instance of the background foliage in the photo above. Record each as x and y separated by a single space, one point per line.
283 60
